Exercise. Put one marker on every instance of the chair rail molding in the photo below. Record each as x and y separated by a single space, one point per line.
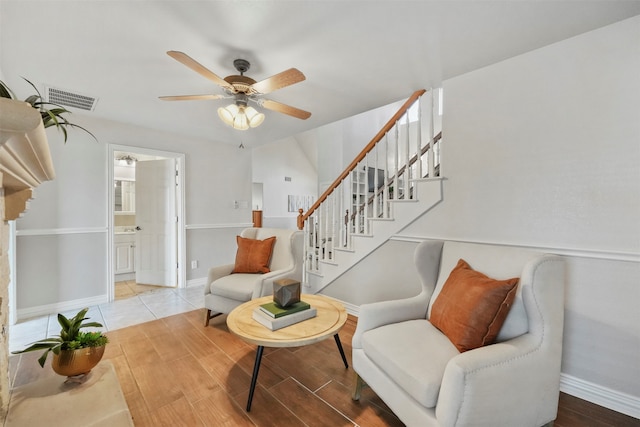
215 226
574 252
60 231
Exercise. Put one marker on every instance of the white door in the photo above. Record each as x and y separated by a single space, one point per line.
156 236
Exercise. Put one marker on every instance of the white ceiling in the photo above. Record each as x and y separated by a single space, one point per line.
356 55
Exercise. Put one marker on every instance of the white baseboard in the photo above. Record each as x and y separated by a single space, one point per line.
603 396
59 307
197 282
352 309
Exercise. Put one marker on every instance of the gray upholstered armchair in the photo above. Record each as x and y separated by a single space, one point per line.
421 375
225 291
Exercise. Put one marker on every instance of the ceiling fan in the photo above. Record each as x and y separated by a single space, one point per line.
242 89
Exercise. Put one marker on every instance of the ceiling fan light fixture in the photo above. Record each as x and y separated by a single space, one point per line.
240 117
227 113
240 121
254 117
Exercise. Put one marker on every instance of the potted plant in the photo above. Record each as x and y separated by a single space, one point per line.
50 116
74 351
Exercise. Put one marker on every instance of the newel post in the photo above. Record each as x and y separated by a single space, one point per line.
300 220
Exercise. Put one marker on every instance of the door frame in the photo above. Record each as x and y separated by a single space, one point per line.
180 210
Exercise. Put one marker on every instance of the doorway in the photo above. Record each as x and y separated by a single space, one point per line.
146 219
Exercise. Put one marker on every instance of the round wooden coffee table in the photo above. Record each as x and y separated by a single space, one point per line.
331 316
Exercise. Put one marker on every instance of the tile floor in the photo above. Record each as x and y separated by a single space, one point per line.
121 313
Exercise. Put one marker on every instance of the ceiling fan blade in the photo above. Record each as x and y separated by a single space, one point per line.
278 81
285 109
198 68
190 97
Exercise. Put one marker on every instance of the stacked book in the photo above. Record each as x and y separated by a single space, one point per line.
274 317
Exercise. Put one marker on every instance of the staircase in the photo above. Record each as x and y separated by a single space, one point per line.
392 182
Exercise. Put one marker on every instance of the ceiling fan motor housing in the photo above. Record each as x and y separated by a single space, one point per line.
241 84
241 99
242 65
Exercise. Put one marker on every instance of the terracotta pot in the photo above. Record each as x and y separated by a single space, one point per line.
75 362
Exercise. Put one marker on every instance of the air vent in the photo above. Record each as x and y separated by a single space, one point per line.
70 99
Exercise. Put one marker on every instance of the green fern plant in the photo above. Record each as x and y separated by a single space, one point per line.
71 337
50 116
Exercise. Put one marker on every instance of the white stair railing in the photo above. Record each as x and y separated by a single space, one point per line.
383 173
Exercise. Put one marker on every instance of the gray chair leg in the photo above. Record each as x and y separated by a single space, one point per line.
208 316
357 387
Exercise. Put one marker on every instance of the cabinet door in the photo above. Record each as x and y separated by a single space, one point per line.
124 262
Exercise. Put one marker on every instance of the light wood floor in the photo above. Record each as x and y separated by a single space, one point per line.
129 288
175 372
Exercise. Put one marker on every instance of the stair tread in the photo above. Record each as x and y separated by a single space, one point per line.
344 249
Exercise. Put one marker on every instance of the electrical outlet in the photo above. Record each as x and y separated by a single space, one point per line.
194 264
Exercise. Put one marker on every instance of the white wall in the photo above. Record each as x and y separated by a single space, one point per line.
62 239
271 164
542 150
338 143
387 273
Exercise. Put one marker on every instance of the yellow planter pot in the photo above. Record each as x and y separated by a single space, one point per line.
75 362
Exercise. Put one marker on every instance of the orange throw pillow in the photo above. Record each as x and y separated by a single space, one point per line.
472 307
253 255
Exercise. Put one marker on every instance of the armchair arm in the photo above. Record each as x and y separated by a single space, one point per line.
381 313
481 386
427 259
217 272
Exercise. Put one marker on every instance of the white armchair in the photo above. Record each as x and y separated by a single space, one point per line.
225 291
416 370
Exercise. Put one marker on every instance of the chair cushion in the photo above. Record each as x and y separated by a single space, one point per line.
414 353
236 286
253 255
285 255
471 307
